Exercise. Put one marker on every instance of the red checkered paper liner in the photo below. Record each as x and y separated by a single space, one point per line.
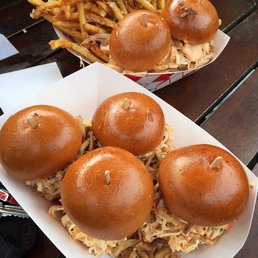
153 82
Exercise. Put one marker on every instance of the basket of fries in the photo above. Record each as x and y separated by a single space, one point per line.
84 28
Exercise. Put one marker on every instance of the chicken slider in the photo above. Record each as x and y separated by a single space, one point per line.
38 141
107 193
132 121
203 185
192 21
140 41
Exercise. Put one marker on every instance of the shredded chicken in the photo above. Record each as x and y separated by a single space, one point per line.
162 236
181 235
49 188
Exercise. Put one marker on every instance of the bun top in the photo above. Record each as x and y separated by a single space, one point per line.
140 41
107 193
201 191
132 121
193 21
38 141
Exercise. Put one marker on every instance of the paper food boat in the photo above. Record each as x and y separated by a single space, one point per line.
79 94
156 81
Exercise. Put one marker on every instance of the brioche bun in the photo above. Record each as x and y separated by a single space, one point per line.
140 41
107 193
193 21
132 121
201 193
38 141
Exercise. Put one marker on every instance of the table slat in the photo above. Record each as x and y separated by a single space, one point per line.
7 3
195 94
249 250
32 45
235 123
232 10
16 17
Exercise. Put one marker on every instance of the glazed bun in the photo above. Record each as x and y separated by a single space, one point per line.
193 21
203 185
132 121
107 193
38 141
140 41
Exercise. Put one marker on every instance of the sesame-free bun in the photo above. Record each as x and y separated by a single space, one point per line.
107 193
131 120
140 41
38 141
192 21
201 191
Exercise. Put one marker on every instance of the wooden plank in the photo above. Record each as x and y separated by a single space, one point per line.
32 46
195 94
249 250
16 17
7 3
235 123
231 10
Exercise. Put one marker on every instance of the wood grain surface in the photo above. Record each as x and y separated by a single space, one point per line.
13 20
238 116
4 4
32 46
233 11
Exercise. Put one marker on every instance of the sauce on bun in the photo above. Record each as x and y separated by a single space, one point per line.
140 41
38 141
107 193
203 185
192 21
132 121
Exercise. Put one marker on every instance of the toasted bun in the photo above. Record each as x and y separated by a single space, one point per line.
38 141
191 20
107 193
200 193
132 121
140 41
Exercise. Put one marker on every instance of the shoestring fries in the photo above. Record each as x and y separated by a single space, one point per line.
80 20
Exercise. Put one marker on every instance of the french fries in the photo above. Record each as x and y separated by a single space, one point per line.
147 5
80 20
83 51
116 10
88 24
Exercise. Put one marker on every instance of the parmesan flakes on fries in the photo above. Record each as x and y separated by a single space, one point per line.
81 20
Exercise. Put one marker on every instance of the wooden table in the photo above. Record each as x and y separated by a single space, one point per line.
222 98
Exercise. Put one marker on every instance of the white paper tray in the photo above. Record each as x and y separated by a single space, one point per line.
80 93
